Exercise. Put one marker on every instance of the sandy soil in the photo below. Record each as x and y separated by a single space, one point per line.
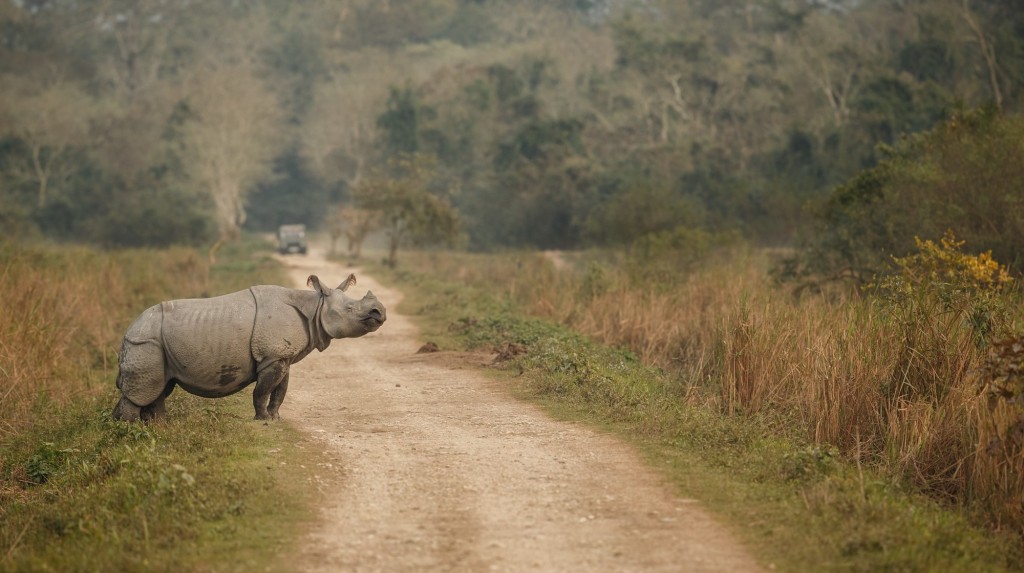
429 465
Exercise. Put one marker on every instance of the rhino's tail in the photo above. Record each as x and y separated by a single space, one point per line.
120 361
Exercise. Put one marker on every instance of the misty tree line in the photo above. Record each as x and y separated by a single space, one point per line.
532 124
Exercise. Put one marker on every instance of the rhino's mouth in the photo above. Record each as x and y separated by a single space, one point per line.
373 319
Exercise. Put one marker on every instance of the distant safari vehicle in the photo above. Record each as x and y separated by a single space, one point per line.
291 239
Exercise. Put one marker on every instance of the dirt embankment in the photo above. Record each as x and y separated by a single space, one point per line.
429 465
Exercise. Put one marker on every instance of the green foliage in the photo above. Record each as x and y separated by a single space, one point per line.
926 59
541 142
965 175
542 181
507 83
889 107
167 216
86 493
295 195
490 331
810 463
404 201
45 462
96 208
383 25
666 257
298 59
471 25
399 122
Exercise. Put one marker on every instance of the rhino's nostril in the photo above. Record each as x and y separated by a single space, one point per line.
374 314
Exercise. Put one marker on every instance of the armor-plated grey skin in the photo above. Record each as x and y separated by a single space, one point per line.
217 346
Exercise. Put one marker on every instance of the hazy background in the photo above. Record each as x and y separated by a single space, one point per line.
549 124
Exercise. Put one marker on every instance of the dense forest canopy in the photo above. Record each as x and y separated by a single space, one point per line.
547 123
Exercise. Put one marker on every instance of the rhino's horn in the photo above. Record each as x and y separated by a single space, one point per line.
314 282
351 280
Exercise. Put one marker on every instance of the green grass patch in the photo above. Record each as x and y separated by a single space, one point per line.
798 507
209 490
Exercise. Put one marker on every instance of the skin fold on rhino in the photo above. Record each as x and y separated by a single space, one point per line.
217 346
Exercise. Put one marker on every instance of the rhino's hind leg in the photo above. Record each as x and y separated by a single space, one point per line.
140 378
157 410
267 382
127 411
277 397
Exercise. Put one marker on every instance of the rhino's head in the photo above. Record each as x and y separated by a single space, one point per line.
344 317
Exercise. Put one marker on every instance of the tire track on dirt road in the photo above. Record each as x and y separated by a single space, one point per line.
428 465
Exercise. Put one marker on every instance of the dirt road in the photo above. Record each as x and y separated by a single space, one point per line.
429 465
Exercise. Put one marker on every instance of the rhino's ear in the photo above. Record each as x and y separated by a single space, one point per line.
351 280
314 282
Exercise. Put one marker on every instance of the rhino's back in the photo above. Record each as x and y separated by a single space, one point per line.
207 343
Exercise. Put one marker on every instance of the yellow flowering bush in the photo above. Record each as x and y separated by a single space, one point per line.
945 263
947 306
941 279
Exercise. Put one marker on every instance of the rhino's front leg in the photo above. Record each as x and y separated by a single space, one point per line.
267 381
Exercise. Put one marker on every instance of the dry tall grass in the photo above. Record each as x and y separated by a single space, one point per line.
63 311
1000 481
893 386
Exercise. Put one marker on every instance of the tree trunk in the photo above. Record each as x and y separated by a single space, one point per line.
393 249
988 53
41 174
212 255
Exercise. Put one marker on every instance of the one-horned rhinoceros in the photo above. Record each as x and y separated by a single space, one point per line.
214 347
